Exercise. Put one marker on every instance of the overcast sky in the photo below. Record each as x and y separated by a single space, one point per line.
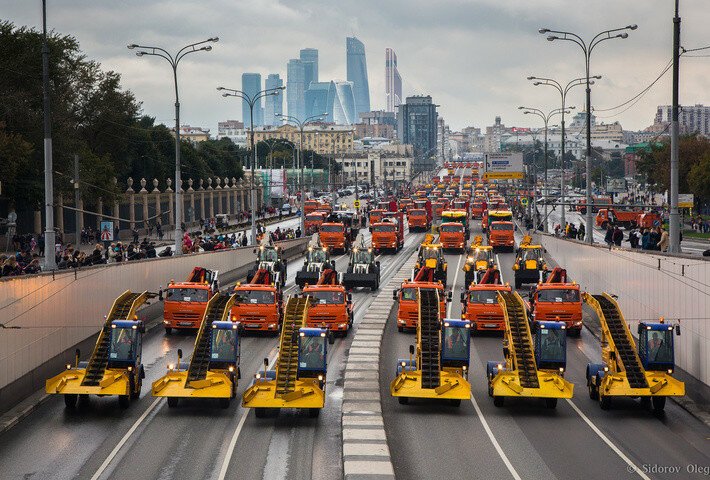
471 56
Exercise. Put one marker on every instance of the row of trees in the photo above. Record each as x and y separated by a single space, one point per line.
93 117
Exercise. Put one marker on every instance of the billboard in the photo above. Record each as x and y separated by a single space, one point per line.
685 200
616 185
503 165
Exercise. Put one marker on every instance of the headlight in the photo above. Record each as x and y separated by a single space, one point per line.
68 366
320 378
257 376
171 366
670 370
231 368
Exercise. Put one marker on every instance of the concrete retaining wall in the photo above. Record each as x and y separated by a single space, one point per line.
649 286
49 314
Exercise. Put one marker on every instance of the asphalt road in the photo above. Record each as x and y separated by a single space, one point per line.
197 439
523 439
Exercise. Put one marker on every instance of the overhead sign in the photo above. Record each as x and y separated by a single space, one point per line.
616 185
106 234
685 200
503 165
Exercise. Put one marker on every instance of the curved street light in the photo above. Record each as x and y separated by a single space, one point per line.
174 61
587 49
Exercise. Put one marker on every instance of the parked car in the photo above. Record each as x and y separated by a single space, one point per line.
286 209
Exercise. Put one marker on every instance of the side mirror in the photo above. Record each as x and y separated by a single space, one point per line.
449 295
677 329
266 364
331 338
463 297
160 294
639 329
411 349
179 352
395 294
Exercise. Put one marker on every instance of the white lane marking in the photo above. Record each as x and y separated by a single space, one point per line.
632 468
500 269
453 287
238 430
493 440
125 438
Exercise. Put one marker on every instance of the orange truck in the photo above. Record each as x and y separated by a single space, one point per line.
582 206
185 302
408 303
479 304
376 215
259 304
613 217
333 305
419 220
477 208
313 221
557 300
388 235
501 230
335 236
453 231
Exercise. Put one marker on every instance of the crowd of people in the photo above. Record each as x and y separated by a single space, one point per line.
642 238
571 231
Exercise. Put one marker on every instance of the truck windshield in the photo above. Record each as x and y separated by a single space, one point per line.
123 344
331 228
531 253
383 228
502 217
268 255
311 353
558 295
484 296
316 255
451 227
362 256
552 345
456 343
327 297
501 226
177 294
417 213
660 345
409 294
224 345
255 296
314 218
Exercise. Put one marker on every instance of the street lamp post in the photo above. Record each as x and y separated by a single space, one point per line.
50 261
587 49
546 119
251 101
301 125
174 61
564 90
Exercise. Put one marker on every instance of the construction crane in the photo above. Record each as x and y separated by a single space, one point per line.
115 366
628 372
299 379
438 368
532 370
213 371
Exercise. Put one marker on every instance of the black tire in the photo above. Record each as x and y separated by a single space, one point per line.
136 392
551 403
403 400
604 401
518 284
70 400
124 401
168 331
313 412
498 401
593 392
659 403
455 402
173 402
83 400
400 329
224 403
260 412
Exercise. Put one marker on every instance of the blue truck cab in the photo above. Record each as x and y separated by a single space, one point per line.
550 345
225 347
455 343
313 353
655 346
126 345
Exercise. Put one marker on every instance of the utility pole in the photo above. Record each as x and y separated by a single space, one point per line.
674 222
50 262
79 215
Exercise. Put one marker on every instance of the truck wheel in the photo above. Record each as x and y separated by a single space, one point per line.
604 401
224 403
498 401
173 402
518 284
659 403
400 329
593 392
313 412
136 392
70 400
403 400
455 402
550 403
260 412
168 331
124 401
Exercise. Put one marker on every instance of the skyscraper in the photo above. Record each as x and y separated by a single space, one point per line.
273 104
251 86
296 88
416 125
393 82
357 73
309 57
334 98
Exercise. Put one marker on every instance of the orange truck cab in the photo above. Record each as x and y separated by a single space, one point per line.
389 234
405 204
477 208
334 236
582 206
332 306
650 220
313 221
453 231
259 304
500 229
418 220
613 217
408 302
557 300
376 215
185 302
310 206
479 304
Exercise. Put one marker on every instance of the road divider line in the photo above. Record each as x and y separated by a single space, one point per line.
632 468
493 440
500 269
125 438
453 287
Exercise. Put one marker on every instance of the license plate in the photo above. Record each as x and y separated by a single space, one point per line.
253 325
184 324
490 325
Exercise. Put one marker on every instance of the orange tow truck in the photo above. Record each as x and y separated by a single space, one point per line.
408 304
557 300
258 305
389 233
185 302
479 304
501 230
333 305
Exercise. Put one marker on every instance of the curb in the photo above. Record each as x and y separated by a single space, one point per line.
366 454
9 423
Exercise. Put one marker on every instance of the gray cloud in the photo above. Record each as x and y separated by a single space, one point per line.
471 56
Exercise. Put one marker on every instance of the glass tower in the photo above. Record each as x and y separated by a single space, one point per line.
251 86
357 74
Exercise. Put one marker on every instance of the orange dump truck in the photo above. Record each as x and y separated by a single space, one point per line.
185 302
335 236
501 230
419 220
557 300
313 221
332 307
408 302
479 304
259 304
388 235
453 231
